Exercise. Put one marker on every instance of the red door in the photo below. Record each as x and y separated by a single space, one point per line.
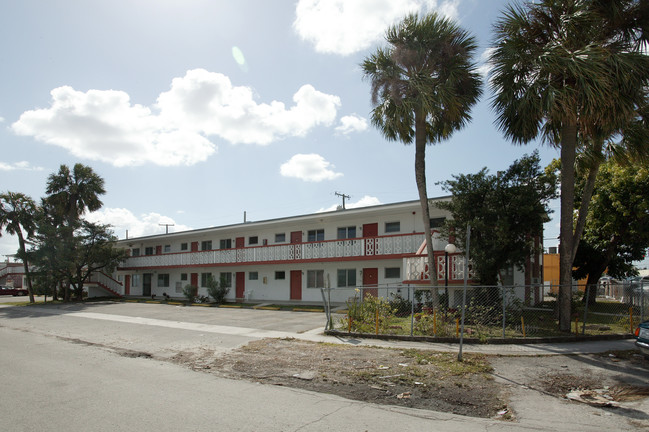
194 246
240 242
370 279
194 279
369 232
240 284
127 284
296 237
296 284
158 250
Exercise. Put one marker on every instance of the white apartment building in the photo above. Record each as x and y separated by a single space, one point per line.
282 259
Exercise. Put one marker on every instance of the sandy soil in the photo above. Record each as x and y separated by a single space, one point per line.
480 387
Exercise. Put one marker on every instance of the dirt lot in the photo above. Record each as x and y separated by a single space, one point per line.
481 386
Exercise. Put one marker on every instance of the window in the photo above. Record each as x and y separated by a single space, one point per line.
280 275
391 227
253 240
225 244
206 245
280 238
135 280
183 276
163 279
253 275
205 277
346 232
392 273
135 252
226 278
315 279
148 250
183 246
167 248
315 235
437 222
346 277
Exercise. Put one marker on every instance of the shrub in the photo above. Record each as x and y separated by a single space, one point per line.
190 292
217 289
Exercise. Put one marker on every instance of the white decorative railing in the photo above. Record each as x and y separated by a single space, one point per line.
375 246
107 282
416 268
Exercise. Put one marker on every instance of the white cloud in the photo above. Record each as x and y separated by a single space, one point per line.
208 102
351 123
104 125
309 167
123 219
345 27
484 65
2 119
366 201
22 166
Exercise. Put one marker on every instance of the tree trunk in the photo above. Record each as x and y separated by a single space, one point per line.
568 150
420 176
583 208
590 293
21 243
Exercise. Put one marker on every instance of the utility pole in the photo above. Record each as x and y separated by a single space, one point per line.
166 227
343 197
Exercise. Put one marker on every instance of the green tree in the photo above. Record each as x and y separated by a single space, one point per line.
564 69
17 213
94 251
423 87
70 194
617 229
506 211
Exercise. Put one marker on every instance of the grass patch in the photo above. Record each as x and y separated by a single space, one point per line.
448 363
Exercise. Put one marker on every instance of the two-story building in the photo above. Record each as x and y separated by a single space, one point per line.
281 259
292 258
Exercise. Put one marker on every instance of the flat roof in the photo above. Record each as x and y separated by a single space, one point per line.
346 212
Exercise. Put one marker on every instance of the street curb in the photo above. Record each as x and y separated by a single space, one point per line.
493 341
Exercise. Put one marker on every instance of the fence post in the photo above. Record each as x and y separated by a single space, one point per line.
326 308
641 300
583 330
504 310
411 292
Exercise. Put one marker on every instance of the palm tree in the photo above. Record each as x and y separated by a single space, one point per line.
70 194
17 217
423 87
74 192
563 69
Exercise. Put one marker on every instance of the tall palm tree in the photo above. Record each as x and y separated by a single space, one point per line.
17 217
563 69
423 87
70 194
74 192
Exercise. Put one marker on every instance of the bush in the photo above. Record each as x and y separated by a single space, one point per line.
217 289
190 292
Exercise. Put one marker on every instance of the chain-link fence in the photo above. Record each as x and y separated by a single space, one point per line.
491 312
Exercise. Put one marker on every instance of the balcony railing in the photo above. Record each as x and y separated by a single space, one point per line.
416 268
330 249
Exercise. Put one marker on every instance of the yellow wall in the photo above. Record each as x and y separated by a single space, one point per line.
551 272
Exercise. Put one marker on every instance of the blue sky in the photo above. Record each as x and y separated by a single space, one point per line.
195 111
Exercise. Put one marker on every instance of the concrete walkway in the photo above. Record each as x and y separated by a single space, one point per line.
281 324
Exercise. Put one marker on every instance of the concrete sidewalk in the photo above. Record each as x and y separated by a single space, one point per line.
258 324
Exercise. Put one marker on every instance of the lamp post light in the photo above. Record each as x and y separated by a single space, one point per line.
449 249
